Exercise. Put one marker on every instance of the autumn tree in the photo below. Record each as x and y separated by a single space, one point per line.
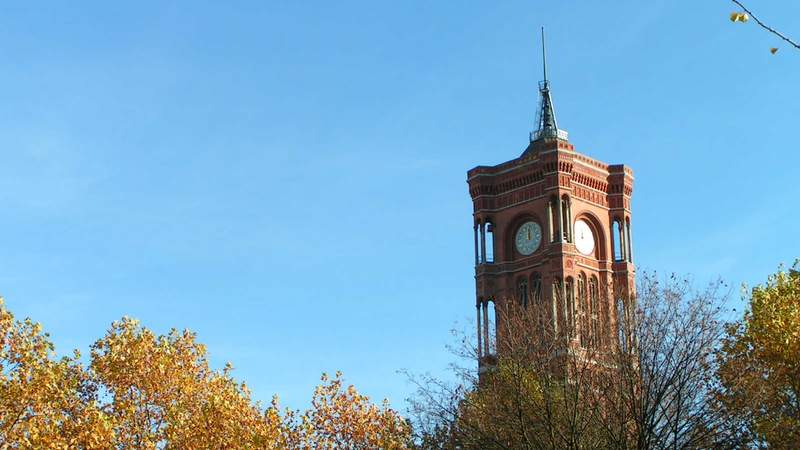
44 402
646 383
536 395
340 417
162 394
760 362
661 391
147 391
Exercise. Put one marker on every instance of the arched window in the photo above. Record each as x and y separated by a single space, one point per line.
522 292
584 310
478 255
618 240
629 247
536 288
569 307
553 219
594 305
489 242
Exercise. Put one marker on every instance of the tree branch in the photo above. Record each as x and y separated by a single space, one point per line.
764 26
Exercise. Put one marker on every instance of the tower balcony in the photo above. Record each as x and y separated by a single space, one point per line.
545 133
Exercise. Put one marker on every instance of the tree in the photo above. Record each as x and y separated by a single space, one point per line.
759 362
148 391
44 403
342 418
537 395
162 394
661 393
647 381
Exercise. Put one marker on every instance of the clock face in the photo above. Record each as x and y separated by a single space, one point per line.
584 238
528 238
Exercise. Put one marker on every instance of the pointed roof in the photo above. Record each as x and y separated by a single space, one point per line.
547 125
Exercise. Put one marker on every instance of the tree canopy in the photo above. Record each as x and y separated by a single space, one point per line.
760 362
671 374
147 391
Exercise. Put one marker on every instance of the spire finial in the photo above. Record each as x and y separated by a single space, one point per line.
544 57
547 125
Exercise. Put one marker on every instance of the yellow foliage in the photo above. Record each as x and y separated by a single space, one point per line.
739 17
344 418
163 391
146 391
760 361
44 403
774 319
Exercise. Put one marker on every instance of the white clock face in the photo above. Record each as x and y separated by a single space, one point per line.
528 238
584 238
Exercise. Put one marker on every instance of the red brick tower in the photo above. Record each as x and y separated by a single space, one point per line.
552 230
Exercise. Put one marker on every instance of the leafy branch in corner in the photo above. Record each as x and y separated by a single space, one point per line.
743 18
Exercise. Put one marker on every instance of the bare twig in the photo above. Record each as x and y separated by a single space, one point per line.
766 27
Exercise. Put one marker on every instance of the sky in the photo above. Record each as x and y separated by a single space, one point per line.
288 179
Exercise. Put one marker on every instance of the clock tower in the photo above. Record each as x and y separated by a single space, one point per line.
552 231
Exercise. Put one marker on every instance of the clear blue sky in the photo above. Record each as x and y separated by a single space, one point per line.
288 178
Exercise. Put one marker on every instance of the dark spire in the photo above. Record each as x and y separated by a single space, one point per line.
547 125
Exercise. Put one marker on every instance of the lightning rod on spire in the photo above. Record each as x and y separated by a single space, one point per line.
544 57
546 117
